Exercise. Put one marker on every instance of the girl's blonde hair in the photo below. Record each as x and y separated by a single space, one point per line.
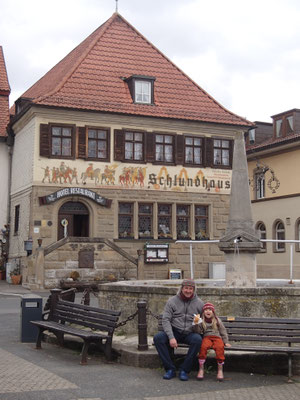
214 324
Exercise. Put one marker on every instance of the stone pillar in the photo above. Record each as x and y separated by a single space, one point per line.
140 265
40 267
240 242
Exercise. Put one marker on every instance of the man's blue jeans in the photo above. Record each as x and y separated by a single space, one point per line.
192 339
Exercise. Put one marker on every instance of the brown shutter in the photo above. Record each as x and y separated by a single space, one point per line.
179 155
119 145
82 139
150 147
45 138
209 152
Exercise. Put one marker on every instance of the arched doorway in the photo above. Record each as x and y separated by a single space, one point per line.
77 215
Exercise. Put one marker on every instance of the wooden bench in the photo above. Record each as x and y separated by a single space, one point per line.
91 324
266 335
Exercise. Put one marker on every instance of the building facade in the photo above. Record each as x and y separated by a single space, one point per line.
273 159
117 155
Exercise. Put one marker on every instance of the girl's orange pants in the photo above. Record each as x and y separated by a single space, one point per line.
215 343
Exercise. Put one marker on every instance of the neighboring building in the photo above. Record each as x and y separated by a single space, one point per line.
4 153
118 149
273 161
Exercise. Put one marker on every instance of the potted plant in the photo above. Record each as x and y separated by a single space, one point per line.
16 276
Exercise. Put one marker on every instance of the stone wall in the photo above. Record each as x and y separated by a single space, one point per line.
255 302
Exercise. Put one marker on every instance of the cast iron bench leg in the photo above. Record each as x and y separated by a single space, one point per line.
290 367
84 352
39 338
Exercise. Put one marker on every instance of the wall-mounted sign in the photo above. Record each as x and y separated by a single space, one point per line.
75 191
175 274
158 253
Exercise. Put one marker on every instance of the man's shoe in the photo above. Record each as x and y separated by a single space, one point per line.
183 376
169 374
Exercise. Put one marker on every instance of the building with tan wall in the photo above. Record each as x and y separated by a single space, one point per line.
118 149
275 189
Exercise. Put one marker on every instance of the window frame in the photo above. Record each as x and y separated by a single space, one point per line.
134 132
164 216
201 235
278 247
187 218
262 234
130 215
164 144
107 141
17 220
72 137
193 146
221 148
260 184
145 215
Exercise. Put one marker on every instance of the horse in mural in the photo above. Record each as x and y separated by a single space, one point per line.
93 174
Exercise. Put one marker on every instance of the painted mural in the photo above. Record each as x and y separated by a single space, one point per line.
117 176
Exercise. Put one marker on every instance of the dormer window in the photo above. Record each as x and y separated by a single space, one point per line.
141 89
142 92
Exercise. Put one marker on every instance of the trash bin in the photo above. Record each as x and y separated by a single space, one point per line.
31 310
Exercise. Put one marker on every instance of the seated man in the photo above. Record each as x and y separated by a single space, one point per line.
177 323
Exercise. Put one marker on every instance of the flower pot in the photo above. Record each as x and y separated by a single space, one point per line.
16 279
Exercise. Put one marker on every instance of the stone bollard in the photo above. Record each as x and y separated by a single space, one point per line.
142 325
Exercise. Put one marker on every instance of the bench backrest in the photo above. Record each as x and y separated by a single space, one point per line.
247 329
262 329
87 316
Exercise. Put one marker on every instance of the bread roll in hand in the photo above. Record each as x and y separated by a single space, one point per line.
197 319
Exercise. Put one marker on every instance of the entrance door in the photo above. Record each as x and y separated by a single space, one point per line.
77 216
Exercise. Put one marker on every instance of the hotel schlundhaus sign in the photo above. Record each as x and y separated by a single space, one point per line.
75 191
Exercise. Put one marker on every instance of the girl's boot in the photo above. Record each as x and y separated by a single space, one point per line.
200 375
220 375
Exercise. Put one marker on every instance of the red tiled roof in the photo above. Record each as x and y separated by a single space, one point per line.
90 78
4 94
274 142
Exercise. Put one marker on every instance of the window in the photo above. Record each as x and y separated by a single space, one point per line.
126 220
260 185
183 222
141 88
142 92
17 219
262 233
290 124
61 141
251 136
98 145
278 127
164 214
134 145
145 219
164 148
279 235
221 152
201 222
193 150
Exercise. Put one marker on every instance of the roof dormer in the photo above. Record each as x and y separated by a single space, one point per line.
141 88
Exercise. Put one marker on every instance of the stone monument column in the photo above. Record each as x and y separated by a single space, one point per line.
240 243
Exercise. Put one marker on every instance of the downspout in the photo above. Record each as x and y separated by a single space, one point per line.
10 144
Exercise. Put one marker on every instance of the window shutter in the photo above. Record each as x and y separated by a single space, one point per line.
179 155
119 145
82 145
150 147
45 140
209 152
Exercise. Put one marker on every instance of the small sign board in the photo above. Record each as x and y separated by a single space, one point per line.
158 253
175 274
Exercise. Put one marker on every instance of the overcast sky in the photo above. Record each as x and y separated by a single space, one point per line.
246 54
